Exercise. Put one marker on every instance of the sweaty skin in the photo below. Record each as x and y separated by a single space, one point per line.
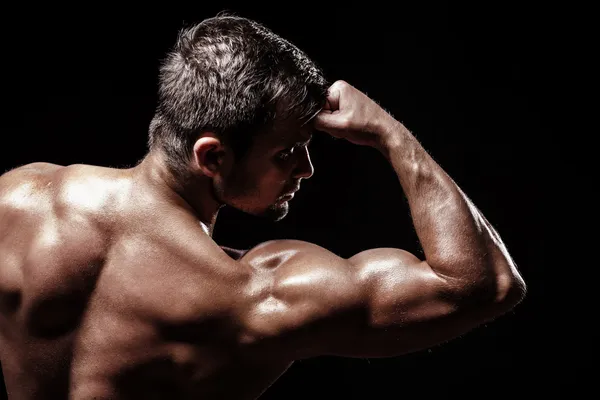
111 288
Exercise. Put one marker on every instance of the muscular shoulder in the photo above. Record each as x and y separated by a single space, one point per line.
52 214
285 274
50 190
20 188
288 269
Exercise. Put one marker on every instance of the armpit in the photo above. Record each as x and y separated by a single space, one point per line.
234 253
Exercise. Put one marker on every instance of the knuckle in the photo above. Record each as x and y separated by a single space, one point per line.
340 85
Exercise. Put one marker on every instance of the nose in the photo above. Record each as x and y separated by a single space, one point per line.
304 168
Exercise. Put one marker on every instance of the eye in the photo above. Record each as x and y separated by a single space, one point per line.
285 155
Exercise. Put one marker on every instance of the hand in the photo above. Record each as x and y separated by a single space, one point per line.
351 115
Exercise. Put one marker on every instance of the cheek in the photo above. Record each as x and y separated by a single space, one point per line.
266 179
252 184
272 182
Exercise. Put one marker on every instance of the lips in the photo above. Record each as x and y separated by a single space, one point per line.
288 195
291 193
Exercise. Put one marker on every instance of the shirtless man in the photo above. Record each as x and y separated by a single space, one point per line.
111 286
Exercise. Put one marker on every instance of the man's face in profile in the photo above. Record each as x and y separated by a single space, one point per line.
263 181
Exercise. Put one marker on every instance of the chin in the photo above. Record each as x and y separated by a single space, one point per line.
275 212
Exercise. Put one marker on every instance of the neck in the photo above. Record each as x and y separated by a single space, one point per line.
194 194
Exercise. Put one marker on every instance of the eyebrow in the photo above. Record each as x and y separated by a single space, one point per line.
304 142
300 141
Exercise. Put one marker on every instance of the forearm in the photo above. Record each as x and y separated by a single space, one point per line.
457 240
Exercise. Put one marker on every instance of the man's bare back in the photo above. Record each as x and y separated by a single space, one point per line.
108 289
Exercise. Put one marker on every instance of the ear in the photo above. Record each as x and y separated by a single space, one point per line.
209 155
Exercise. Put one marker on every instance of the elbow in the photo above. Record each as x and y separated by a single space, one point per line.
498 293
510 290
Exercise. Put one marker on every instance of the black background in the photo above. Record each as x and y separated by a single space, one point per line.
480 86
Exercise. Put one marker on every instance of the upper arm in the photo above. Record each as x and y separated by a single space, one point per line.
379 303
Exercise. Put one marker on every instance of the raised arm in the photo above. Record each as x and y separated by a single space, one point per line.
385 302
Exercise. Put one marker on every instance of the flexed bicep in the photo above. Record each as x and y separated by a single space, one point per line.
379 303
404 306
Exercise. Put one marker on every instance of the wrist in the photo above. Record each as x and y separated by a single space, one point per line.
390 134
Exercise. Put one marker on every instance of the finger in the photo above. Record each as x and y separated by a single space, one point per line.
332 102
325 121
